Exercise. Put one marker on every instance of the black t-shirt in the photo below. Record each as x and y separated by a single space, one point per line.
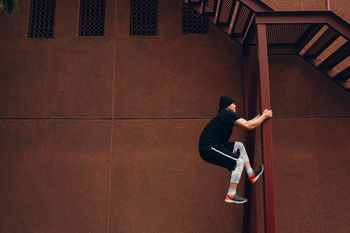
219 129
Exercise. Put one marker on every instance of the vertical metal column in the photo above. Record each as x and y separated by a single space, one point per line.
266 130
251 85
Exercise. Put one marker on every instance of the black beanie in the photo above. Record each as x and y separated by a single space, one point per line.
225 102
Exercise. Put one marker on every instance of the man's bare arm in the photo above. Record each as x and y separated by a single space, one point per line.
255 122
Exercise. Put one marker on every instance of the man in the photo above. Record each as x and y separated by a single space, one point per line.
215 148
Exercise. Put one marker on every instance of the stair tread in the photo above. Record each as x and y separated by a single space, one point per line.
341 53
343 75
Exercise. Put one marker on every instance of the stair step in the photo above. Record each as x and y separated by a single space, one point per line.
226 11
340 54
327 38
346 84
307 37
233 17
242 21
343 75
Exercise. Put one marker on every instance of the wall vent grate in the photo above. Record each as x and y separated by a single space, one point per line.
92 17
41 19
143 17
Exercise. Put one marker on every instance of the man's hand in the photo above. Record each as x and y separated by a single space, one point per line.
267 113
255 122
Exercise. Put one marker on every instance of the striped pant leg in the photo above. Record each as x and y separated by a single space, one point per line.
239 163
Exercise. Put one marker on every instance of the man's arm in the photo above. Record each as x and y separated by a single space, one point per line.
255 122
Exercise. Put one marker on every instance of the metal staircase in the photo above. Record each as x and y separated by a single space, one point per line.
320 37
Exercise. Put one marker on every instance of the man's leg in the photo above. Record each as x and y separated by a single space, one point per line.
252 175
231 195
224 157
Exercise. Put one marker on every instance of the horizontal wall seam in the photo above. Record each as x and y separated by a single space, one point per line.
104 119
173 118
311 117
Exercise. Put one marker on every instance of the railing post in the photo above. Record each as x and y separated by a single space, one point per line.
266 129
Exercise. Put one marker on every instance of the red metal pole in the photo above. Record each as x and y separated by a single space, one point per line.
251 85
266 130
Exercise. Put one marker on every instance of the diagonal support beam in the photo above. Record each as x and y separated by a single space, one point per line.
266 129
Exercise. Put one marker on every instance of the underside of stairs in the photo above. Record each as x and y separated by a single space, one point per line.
319 37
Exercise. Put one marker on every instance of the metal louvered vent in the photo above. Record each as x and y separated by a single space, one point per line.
92 17
193 22
143 17
42 17
285 33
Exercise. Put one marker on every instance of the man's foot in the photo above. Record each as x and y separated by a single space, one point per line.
256 174
235 199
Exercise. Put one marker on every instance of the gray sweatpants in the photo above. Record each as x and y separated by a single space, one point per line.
243 158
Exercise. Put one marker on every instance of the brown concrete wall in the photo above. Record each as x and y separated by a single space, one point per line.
309 162
303 5
54 175
339 7
99 134
166 89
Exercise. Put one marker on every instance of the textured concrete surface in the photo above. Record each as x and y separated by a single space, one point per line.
311 162
56 78
181 75
159 179
303 5
339 7
54 175
298 91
